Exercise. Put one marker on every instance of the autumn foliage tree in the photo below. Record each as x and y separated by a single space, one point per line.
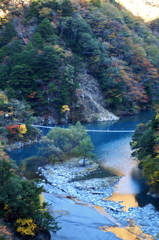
20 203
146 148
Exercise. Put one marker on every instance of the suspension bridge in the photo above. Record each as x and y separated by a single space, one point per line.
94 130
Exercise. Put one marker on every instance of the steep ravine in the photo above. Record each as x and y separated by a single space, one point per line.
92 100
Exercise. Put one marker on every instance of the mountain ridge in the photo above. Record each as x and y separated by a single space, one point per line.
46 45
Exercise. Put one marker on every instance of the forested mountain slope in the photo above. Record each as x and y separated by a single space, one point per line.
45 46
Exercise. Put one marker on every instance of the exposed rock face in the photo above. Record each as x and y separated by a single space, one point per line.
24 33
92 100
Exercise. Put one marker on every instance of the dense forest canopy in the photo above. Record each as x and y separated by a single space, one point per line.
44 45
145 143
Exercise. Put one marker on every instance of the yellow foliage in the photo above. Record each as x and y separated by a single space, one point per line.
41 201
156 175
65 108
41 198
45 12
26 226
7 209
58 49
157 116
68 53
22 130
112 35
4 97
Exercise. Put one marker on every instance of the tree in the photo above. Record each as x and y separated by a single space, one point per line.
37 40
45 29
146 146
20 200
84 149
66 8
5 172
7 34
62 144
4 75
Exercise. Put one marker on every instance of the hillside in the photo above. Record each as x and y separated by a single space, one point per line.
46 46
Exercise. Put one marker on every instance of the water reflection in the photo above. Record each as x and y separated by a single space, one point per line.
129 233
113 151
128 200
117 157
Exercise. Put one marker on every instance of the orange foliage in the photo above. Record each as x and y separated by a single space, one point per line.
1 113
32 95
14 128
83 3
146 64
5 232
40 52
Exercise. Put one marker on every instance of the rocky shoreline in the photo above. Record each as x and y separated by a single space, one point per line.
26 142
61 180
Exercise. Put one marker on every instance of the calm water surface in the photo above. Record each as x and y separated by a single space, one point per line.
114 154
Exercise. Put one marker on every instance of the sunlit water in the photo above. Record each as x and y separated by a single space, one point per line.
114 154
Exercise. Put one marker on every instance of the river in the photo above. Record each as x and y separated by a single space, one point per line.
114 154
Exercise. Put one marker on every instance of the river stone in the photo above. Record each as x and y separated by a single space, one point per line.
60 177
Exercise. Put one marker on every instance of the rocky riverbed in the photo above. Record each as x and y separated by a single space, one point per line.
61 180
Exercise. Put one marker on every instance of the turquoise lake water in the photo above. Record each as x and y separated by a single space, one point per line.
114 155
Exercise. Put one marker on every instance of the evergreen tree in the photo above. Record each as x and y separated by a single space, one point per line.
84 149
7 34
20 199
45 29
37 40
66 8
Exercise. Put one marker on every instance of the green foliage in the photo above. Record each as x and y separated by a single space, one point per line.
5 172
146 146
150 39
61 144
3 52
96 3
15 47
7 34
2 238
152 52
4 73
37 40
66 8
110 11
45 29
20 199
106 41
84 149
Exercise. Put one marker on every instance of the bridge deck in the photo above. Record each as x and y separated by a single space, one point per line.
93 130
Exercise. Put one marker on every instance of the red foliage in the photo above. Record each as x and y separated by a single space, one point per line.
14 128
40 52
115 64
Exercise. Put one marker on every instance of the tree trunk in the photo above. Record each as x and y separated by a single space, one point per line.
84 161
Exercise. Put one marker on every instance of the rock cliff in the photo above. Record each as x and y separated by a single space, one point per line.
92 100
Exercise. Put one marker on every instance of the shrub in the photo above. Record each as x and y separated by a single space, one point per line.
26 226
